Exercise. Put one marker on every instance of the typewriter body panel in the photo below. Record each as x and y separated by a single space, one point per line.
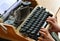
10 33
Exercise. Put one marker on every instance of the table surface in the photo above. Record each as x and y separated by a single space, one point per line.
52 5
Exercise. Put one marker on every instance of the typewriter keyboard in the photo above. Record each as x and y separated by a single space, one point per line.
34 22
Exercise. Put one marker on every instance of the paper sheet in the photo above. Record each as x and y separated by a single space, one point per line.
5 5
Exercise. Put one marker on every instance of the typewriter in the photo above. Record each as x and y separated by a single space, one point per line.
31 25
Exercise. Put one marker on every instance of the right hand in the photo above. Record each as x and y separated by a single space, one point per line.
45 35
54 25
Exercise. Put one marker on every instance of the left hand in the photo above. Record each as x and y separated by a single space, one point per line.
45 35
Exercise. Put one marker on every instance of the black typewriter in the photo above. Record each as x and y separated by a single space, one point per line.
34 21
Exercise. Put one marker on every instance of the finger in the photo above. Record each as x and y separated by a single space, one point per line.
43 34
40 39
44 30
52 19
51 22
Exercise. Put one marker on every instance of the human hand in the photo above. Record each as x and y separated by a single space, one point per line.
45 35
53 24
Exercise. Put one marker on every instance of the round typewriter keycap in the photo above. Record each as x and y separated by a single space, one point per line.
28 31
29 23
22 30
32 32
35 28
26 27
32 27
38 8
36 14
